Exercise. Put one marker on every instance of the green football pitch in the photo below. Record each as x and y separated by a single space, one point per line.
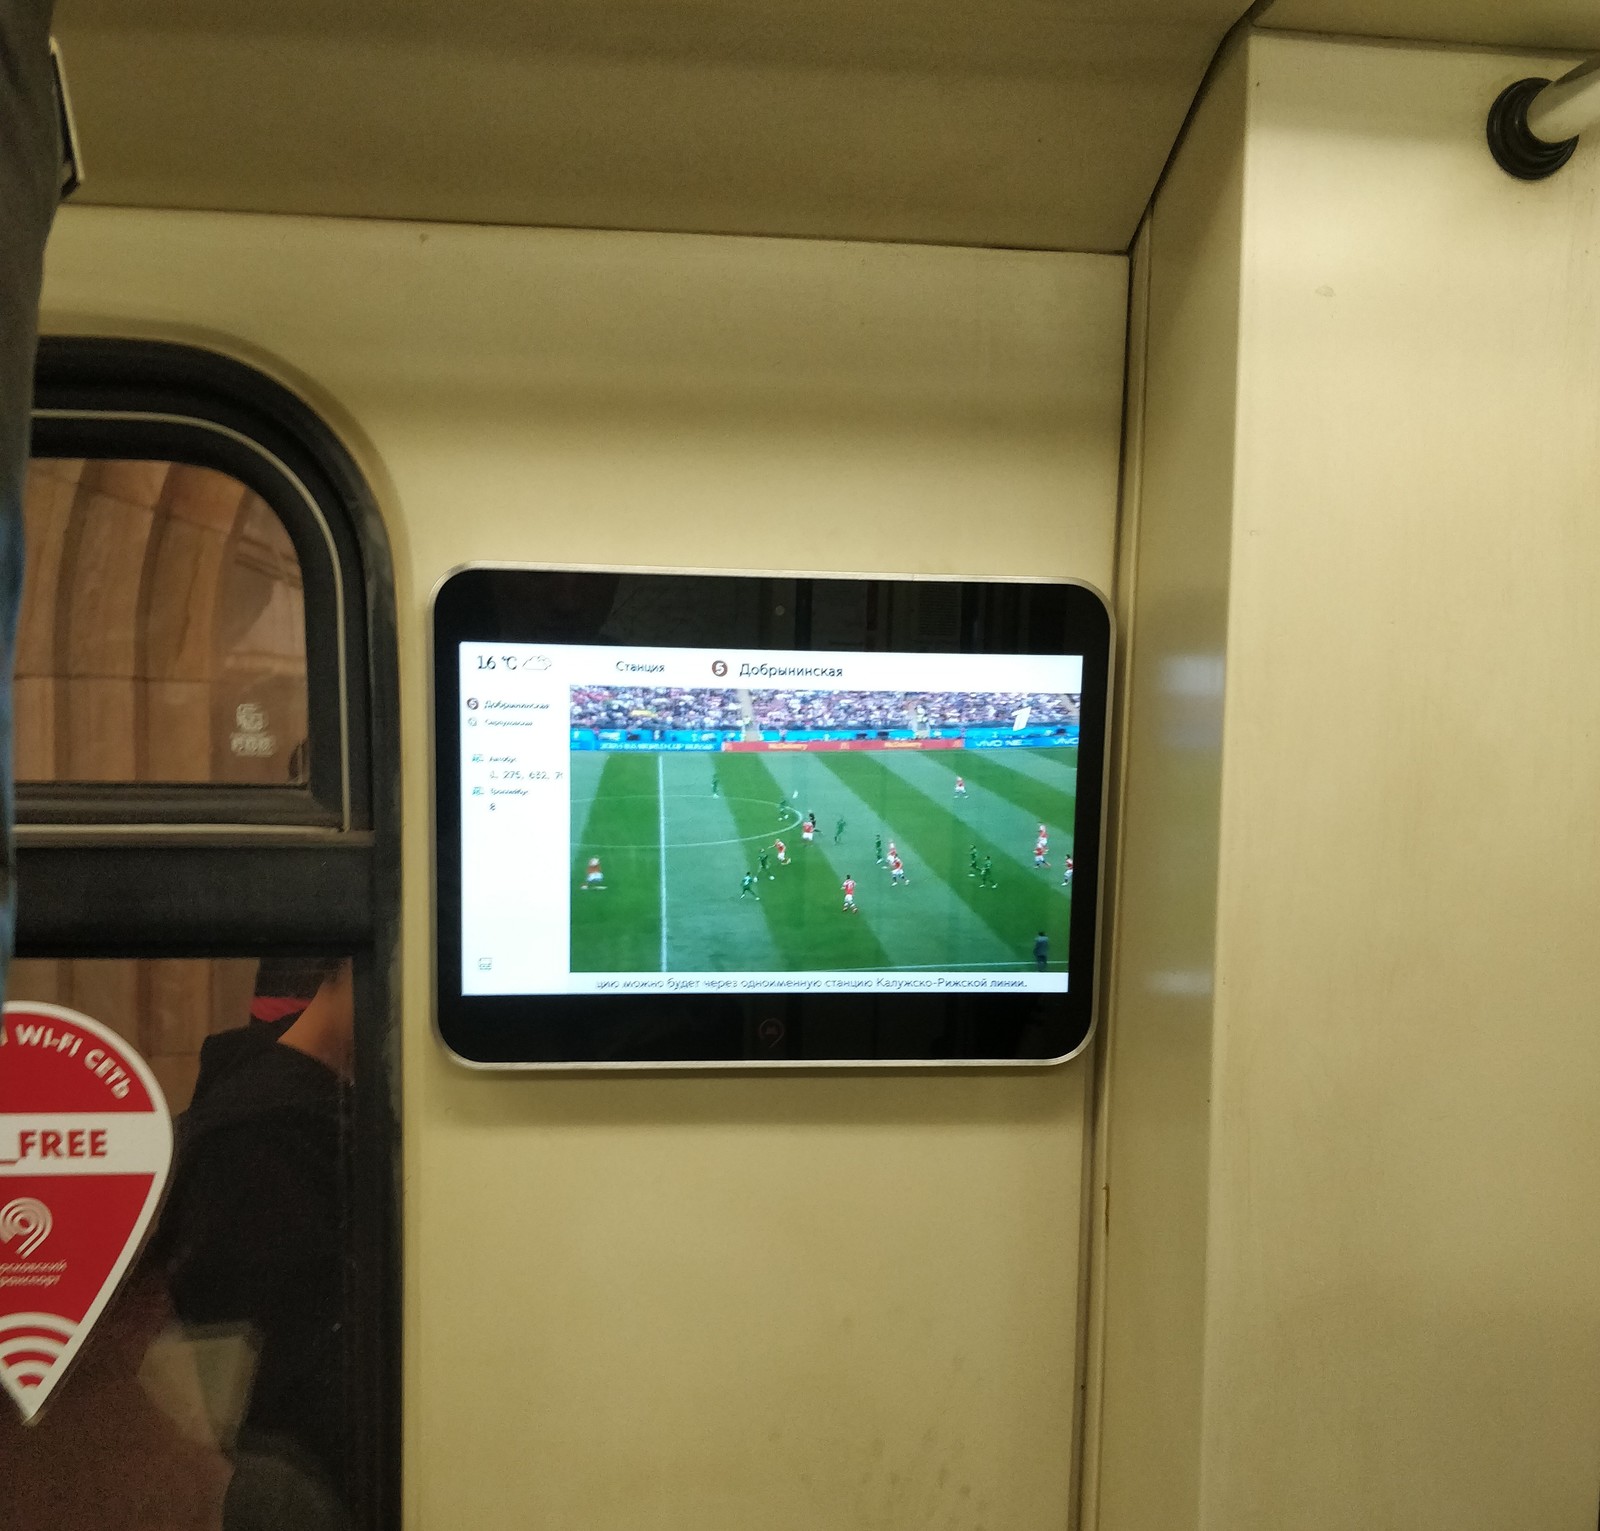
675 853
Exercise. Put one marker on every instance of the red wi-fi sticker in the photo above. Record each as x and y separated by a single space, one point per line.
85 1147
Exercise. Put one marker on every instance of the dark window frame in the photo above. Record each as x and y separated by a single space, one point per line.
202 870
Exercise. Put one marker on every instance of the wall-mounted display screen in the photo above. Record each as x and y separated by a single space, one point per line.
702 819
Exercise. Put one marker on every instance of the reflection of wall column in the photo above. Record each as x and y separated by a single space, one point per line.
48 504
258 693
159 600
178 621
99 597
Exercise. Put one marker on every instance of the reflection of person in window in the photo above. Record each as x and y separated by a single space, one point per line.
251 1236
106 1452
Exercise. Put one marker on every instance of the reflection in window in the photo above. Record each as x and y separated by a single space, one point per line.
216 1390
166 1008
162 635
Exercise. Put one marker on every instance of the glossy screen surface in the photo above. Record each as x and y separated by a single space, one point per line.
714 820
655 820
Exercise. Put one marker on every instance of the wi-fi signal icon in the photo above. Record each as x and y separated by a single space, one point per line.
30 1345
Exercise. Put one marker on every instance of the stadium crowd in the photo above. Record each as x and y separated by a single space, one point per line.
622 707
666 707
909 709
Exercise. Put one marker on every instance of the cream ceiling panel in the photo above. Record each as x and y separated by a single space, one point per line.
1020 123
1493 23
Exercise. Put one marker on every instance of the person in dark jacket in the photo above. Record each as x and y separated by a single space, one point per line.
251 1238
30 186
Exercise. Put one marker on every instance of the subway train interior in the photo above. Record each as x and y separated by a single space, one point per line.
804 767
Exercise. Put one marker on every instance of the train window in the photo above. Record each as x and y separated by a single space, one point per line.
162 634
207 814
190 645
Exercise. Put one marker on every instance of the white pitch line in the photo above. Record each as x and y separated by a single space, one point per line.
661 798
688 845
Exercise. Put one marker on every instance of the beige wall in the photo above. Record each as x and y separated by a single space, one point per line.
1354 1177
776 1302
1401 1184
1145 1469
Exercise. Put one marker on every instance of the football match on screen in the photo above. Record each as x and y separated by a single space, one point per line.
736 830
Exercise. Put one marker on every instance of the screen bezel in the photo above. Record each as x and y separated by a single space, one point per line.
532 604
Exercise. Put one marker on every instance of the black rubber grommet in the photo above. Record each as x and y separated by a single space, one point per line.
1513 143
